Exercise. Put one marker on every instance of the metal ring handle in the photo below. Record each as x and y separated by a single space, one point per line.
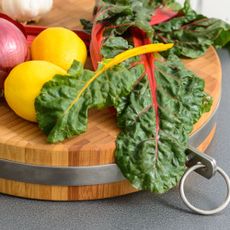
201 211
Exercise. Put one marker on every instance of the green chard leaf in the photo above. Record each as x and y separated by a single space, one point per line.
60 117
87 25
181 101
192 33
113 46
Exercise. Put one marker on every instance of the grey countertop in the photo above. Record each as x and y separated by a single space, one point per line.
142 210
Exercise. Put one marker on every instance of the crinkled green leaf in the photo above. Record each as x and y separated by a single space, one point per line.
192 33
87 25
113 46
223 38
59 118
181 100
124 14
113 10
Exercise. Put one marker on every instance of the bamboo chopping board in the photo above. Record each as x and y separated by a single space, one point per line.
23 142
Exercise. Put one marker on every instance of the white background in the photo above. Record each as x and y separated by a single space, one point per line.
212 8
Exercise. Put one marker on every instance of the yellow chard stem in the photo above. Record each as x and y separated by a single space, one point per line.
120 58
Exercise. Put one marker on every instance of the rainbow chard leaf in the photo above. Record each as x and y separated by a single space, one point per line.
63 103
181 100
61 116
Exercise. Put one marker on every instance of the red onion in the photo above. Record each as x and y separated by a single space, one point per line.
13 45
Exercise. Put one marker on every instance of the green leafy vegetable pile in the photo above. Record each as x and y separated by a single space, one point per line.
157 99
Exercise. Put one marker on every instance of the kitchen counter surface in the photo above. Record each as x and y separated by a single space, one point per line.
142 210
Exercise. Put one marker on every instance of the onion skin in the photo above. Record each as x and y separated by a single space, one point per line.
13 45
17 24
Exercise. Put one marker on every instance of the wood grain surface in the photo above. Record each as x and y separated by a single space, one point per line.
68 13
23 142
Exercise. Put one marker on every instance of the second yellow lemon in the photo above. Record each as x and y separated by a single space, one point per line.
59 46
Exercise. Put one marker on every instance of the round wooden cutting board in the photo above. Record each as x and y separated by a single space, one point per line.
23 142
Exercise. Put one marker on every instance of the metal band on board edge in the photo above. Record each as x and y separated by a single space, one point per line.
63 176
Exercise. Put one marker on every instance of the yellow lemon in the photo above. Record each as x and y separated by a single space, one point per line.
59 46
24 84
